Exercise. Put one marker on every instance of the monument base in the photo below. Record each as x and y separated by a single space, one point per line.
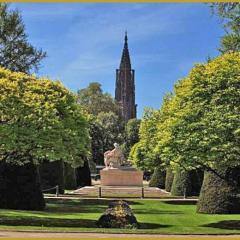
121 177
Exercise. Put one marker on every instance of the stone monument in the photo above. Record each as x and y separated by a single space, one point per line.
117 171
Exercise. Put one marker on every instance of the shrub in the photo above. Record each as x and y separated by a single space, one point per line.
181 183
219 192
169 179
51 175
158 178
20 187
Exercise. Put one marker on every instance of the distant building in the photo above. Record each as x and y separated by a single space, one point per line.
125 85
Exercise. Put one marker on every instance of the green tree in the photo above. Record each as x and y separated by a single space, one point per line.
230 15
39 120
204 128
111 129
131 135
94 101
106 127
16 53
142 154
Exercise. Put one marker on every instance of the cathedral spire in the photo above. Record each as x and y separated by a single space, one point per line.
125 85
125 60
126 38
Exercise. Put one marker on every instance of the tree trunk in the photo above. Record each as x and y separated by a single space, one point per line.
219 193
20 187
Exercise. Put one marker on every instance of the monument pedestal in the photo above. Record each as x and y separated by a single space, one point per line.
121 177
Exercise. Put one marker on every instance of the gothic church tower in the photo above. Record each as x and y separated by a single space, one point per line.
125 85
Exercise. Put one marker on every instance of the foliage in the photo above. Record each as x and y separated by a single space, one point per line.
131 135
105 125
142 154
20 187
205 107
112 129
83 175
230 14
39 119
181 185
69 177
105 129
218 194
187 183
16 53
94 101
158 178
52 175
118 215
169 179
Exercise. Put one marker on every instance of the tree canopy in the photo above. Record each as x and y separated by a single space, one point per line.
39 119
106 127
203 129
198 124
142 154
94 101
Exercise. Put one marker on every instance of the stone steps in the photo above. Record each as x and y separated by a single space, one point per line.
126 192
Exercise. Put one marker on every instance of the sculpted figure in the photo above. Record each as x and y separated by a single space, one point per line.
114 158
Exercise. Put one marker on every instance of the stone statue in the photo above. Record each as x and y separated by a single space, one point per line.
114 158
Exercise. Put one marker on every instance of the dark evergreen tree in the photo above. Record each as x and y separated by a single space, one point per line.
229 12
16 53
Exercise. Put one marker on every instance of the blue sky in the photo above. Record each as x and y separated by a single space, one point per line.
84 42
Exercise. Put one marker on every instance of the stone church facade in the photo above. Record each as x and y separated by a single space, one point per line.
125 85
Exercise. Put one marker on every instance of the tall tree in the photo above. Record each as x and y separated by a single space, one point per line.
106 127
230 15
39 120
142 154
131 135
16 53
204 131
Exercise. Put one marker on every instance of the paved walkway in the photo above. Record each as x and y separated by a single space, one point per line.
7 234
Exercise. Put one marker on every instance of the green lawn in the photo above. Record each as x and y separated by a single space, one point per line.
154 216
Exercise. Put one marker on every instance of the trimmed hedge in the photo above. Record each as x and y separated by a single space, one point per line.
51 174
187 183
70 181
181 183
20 187
83 175
169 179
219 193
196 179
158 178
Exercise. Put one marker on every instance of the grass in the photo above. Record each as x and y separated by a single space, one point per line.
154 216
